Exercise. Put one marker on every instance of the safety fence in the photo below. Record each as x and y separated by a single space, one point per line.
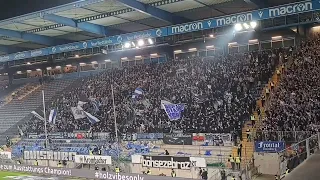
298 152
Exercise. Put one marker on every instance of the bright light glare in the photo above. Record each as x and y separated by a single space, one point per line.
238 27
150 41
246 26
140 42
253 24
127 45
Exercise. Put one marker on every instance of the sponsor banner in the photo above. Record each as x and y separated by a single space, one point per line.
5 155
78 173
269 146
177 139
149 136
88 159
49 155
255 15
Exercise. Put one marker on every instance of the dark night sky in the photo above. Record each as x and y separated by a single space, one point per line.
12 8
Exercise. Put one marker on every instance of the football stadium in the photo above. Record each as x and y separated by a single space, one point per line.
160 89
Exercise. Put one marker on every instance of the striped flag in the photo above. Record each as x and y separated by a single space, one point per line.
91 118
53 116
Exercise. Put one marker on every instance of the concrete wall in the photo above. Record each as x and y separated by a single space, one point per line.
267 163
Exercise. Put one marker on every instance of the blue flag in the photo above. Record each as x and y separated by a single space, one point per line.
173 110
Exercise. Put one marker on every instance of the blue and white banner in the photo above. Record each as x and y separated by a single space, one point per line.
255 15
173 110
269 146
149 136
91 118
53 116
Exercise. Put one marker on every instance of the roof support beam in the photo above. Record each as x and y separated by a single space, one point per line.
258 3
11 49
85 26
154 12
45 40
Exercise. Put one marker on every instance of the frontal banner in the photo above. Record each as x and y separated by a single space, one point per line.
79 173
177 139
269 146
88 159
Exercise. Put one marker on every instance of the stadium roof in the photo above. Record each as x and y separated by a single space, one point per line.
89 19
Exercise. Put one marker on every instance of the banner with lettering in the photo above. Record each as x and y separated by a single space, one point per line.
177 139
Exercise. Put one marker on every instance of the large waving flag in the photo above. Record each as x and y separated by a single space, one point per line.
53 116
91 118
96 104
172 110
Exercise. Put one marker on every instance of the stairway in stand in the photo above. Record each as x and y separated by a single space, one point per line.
248 146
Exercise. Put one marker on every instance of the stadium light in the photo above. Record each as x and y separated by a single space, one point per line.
253 24
82 64
19 72
107 60
253 41
276 37
210 47
246 26
94 62
140 42
211 35
238 27
138 57
77 55
154 54
28 63
124 58
68 65
177 51
58 67
150 41
38 69
29 71
127 45
49 68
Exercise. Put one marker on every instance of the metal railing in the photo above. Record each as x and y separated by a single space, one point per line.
298 152
288 136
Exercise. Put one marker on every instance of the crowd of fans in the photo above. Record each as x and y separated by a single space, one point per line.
218 94
295 105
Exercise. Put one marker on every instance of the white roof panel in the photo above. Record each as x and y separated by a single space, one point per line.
39 22
108 21
134 15
18 27
107 6
77 13
51 32
180 6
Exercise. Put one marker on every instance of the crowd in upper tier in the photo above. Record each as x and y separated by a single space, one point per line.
295 104
218 93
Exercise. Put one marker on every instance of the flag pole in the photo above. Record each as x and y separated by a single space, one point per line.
44 117
115 119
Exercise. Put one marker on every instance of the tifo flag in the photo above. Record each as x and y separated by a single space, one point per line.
96 104
173 110
81 103
137 92
78 112
37 115
91 118
53 116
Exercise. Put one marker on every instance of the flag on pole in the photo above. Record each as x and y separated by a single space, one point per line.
53 116
37 115
172 110
91 118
